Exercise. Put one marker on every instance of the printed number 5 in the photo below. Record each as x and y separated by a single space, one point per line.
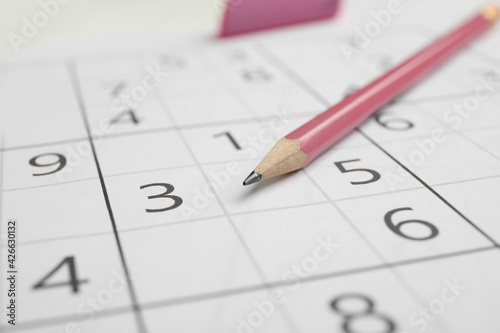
375 174
168 189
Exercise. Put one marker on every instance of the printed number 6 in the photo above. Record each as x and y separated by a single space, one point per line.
394 124
168 189
396 228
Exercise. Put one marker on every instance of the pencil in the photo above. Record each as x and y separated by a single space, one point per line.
302 146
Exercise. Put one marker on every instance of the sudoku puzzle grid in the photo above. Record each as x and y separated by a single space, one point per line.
137 220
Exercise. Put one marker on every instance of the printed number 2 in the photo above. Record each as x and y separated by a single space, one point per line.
375 174
168 189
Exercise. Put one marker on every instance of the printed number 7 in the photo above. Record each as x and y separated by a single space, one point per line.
375 174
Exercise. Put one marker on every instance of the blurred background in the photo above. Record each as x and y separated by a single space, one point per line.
89 19
84 20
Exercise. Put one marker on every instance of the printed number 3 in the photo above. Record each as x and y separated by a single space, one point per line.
168 189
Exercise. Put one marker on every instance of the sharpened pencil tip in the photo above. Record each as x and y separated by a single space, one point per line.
254 177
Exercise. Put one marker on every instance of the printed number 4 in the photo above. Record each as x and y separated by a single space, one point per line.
73 280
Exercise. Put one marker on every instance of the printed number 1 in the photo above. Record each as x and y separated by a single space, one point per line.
231 138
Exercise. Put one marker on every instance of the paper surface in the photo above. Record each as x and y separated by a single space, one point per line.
123 174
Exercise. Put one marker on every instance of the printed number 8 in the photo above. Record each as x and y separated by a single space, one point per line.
351 316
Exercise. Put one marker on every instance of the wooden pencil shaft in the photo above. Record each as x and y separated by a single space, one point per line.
306 143
322 132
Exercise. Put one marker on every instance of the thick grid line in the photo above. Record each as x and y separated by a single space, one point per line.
259 287
361 235
78 95
253 211
267 55
325 102
458 132
292 74
440 197
367 144
258 120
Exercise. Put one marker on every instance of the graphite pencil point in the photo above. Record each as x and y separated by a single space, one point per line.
252 178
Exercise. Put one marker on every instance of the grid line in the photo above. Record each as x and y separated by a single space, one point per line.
367 144
304 83
362 236
316 94
255 211
247 106
259 287
459 133
238 234
440 197
78 95
295 76
231 222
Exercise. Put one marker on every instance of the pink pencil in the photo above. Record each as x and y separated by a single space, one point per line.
302 146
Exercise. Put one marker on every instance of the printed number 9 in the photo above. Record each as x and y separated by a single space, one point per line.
60 162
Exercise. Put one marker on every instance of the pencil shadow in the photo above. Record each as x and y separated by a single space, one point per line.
259 187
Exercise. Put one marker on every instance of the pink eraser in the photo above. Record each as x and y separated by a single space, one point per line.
242 16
